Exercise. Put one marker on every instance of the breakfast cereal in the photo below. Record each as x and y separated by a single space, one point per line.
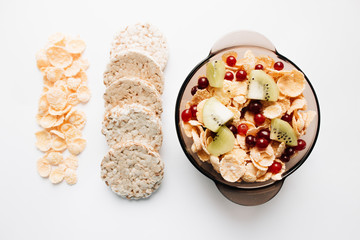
247 116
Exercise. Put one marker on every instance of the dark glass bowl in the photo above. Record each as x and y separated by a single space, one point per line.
242 192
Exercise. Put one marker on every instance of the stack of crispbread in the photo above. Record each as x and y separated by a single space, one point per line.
132 126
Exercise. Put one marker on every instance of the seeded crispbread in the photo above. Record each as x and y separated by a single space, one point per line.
134 64
132 122
143 37
133 90
132 170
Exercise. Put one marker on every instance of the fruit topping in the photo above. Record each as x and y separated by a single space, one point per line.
278 66
194 90
241 75
233 129
255 106
229 76
215 72
284 158
193 110
287 117
250 141
283 132
262 86
223 142
259 67
264 133
289 151
215 114
262 142
203 83
242 129
186 115
259 119
301 145
231 61
275 168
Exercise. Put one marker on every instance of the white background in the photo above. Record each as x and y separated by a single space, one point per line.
320 200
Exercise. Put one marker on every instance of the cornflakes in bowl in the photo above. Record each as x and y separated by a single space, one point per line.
247 117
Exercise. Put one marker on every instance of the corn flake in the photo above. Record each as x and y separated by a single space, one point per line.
54 74
83 93
77 118
43 167
48 121
58 57
58 143
231 169
57 39
73 83
273 111
70 131
76 145
54 158
76 46
56 98
57 175
70 176
292 85
266 61
42 60
71 162
73 69
43 140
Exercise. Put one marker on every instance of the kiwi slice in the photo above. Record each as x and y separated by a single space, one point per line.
283 132
215 114
262 86
223 142
215 73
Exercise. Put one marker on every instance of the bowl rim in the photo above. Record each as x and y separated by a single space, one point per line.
182 142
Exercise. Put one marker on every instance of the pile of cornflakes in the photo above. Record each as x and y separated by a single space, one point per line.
65 86
244 163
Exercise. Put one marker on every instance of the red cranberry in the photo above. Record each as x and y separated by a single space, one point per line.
194 90
193 110
275 167
255 106
203 82
259 119
242 129
287 117
262 143
250 140
231 61
301 145
241 75
265 133
279 66
186 115
285 158
233 129
289 151
229 76
259 67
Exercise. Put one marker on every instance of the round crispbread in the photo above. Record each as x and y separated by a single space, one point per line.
132 122
142 37
134 64
132 170
133 90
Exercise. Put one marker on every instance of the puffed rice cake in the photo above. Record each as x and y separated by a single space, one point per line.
132 170
134 64
132 122
133 90
142 37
